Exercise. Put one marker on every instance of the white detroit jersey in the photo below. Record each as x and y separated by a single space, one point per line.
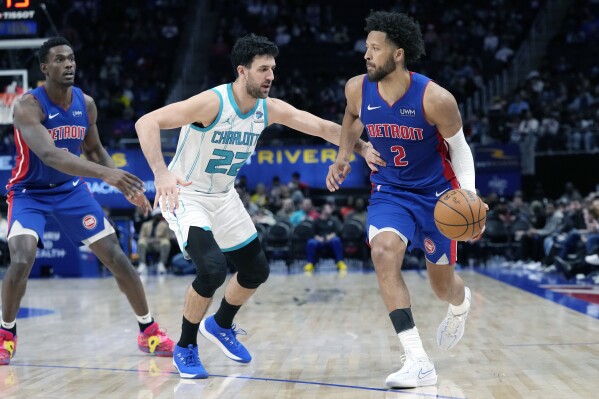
210 157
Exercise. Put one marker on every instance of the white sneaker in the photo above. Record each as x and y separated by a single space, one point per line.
161 269
416 372
451 328
142 269
592 259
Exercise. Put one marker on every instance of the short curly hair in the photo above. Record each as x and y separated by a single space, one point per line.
401 29
48 44
250 46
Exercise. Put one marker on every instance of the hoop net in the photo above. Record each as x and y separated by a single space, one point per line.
13 83
7 105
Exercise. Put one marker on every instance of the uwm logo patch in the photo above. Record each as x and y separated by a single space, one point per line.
407 112
89 222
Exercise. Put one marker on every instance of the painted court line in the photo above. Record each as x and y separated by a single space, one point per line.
242 377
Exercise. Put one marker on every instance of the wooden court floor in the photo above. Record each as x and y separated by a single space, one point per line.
319 336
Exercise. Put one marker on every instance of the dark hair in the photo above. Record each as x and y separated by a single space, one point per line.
48 44
401 29
249 46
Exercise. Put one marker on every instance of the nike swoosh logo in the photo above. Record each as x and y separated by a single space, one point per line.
75 183
371 108
421 374
52 116
441 193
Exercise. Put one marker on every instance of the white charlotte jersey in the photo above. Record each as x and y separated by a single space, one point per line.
210 157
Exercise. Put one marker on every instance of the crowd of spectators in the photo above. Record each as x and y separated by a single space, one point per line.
322 45
556 108
125 57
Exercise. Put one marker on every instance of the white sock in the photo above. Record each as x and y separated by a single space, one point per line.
412 344
462 308
145 319
7 326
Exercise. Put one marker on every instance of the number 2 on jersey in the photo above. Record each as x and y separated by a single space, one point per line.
224 164
401 154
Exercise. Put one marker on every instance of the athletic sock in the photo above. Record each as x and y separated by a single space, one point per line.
144 321
461 308
189 334
225 314
411 342
10 327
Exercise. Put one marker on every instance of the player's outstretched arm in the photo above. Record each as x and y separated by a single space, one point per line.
28 119
284 113
202 108
94 151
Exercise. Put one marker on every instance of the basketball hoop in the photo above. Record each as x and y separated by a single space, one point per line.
13 83
7 105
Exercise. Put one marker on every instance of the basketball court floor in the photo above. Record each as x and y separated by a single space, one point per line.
320 336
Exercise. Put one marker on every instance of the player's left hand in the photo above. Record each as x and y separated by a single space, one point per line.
373 157
141 201
478 237
337 173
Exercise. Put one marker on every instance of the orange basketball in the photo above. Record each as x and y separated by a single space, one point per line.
460 215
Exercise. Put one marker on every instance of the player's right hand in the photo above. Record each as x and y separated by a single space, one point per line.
128 184
337 173
167 192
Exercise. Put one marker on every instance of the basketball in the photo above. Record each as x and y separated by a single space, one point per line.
460 215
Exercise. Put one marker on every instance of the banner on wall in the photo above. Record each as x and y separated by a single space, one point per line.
498 169
311 162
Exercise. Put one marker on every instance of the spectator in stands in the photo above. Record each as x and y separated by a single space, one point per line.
305 211
260 197
359 212
296 184
531 244
348 207
326 235
288 209
154 236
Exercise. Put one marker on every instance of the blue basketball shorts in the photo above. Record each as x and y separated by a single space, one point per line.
411 215
71 204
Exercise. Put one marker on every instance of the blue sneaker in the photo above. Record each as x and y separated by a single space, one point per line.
187 362
226 340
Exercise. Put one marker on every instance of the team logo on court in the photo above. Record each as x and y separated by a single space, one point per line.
258 117
429 246
90 222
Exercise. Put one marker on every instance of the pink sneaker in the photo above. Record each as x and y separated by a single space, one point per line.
8 346
154 340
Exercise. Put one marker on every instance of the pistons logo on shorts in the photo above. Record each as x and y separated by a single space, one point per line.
90 222
429 246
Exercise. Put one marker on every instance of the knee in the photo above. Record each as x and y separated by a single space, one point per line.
211 273
20 267
382 254
254 273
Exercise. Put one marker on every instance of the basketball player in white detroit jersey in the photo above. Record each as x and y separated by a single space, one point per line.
220 128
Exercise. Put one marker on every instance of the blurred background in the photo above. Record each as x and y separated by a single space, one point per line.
523 72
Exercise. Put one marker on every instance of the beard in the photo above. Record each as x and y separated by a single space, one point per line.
255 90
381 73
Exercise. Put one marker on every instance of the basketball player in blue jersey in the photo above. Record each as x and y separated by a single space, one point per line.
220 129
53 123
416 126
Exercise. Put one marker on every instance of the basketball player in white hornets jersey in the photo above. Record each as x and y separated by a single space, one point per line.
220 128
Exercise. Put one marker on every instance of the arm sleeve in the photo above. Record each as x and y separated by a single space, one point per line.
462 161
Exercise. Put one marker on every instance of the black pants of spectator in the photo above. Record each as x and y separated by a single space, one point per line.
531 248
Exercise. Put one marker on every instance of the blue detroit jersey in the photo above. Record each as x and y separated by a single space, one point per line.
416 154
67 127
